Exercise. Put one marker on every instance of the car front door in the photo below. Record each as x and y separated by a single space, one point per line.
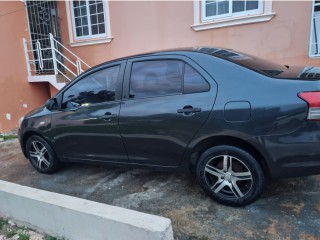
86 125
166 100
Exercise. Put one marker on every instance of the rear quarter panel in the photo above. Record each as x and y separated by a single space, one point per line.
275 108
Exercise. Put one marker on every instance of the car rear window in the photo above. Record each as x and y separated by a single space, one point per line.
246 60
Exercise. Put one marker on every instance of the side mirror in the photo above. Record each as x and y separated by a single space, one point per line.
52 104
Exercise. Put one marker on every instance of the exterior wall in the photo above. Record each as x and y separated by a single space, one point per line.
17 96
144 26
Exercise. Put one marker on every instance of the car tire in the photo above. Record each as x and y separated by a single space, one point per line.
41 155
230 175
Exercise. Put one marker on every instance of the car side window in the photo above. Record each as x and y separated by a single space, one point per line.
98 87
156 78
193 81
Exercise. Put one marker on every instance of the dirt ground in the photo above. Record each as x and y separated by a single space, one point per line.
288 209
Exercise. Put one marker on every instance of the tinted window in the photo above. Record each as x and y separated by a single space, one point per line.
95 88
156 78
193 81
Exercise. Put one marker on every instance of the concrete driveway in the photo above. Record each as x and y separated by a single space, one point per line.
288 209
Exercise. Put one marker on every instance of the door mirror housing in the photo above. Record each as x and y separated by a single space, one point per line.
52 104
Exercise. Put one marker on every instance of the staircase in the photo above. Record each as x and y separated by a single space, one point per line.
49 61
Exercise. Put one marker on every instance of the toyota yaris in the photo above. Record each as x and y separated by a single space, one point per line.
231 118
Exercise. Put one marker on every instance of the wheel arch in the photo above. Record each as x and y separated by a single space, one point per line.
25 138
213 141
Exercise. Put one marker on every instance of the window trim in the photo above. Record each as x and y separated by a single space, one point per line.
90 35
311 33
201 24
75 41
185 59
230 14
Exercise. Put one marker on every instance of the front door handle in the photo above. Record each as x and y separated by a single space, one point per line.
188 110
108 116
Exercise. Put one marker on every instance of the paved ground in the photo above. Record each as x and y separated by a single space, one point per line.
288 209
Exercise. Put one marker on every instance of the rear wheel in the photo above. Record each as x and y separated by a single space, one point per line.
230 175
41 155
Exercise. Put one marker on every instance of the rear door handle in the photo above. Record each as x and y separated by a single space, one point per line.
187 110
108 116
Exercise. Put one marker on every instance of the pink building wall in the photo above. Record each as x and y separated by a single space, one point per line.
144 26
17 96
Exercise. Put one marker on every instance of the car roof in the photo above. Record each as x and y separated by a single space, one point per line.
214 51
245 60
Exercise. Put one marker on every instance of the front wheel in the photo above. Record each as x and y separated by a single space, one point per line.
41 155
230 175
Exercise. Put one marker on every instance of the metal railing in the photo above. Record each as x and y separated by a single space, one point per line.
47 56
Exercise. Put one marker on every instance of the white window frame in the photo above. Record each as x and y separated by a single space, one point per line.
201 22
230 14
90 39
90 35
312 32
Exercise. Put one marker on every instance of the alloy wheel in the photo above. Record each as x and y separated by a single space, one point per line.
39 155
228 176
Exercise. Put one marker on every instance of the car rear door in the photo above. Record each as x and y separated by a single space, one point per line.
86 126
166 100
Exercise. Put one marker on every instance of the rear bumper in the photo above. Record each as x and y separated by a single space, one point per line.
293 155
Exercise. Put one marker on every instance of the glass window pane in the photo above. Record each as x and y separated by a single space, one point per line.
79 31
101 18
75 3
85 31
238 6
100 7
96 88
211 9
155 78
102 28
84 21
194 82
94 19
251 5
82 3
76 12
223 7
93 9
77 22
94 29
83 11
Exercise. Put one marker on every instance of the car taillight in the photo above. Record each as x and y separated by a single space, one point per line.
313 100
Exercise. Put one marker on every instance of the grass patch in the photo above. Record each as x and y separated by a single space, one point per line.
23 228
10 234
3 222
48 237
24 236
8 137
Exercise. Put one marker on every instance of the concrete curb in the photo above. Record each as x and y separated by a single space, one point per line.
74 218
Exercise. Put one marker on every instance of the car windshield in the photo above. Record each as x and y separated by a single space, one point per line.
252 62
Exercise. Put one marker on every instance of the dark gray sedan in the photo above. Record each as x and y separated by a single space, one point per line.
233 119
